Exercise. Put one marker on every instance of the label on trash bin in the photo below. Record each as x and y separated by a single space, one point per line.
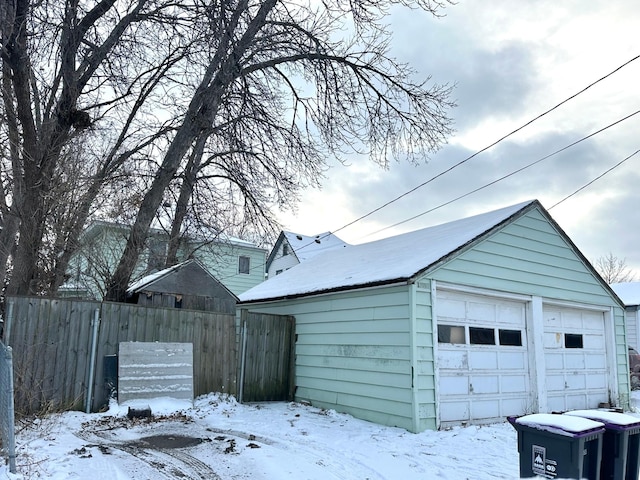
541 465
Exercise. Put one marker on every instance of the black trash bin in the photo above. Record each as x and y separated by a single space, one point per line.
558 446
620 443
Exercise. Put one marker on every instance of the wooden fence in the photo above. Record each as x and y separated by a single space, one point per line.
268 360
52 345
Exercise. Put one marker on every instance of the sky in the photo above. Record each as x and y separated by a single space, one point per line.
509 62
218 438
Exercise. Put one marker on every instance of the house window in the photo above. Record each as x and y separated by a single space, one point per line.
482 336
511 338
244 264
285 250
278 272
572 340
450 334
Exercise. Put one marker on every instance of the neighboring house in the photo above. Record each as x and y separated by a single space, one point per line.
237 264
466 322
185 285
629 293
292 248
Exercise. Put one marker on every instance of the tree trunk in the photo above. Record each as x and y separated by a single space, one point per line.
186 190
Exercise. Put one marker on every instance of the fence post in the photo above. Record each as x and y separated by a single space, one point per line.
7 322
243 351
7 412
92 362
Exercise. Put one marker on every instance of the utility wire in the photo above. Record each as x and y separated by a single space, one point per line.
504 137
508 174
595 179
489 146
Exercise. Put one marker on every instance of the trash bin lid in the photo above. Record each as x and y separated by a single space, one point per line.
610 419
561 424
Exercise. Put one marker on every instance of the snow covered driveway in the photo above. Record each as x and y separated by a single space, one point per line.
217 438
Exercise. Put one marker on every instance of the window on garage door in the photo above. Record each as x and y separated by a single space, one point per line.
459 334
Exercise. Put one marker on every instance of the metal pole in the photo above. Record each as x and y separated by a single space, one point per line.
92 365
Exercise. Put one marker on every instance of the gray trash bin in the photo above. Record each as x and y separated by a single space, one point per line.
559 446
620 443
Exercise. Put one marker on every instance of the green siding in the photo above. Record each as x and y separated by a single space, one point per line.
352 352
530 257
370 352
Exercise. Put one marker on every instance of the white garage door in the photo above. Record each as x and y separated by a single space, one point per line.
576 358
482 358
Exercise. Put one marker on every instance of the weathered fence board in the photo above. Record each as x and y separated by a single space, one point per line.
52 347
268 363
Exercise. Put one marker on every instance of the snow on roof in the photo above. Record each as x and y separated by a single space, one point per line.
629 292
306 247
382 261
147 279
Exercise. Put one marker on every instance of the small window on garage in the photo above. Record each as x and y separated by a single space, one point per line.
450 334
572 340
482 336
512 338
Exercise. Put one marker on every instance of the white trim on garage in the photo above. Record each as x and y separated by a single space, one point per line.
543 374
483 369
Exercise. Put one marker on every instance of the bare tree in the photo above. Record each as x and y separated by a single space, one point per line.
74 70
613 269
280 90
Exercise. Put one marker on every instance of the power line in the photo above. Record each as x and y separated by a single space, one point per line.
504 137
514 172
489 146
595 179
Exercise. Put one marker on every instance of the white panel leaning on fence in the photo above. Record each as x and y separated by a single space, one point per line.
149 370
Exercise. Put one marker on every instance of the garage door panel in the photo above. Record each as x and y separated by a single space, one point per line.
576 358
596 362
575 382
458 385
513 360
451 308
454 360
597 381
485 384
483 360
485 409
455 411
481 312
555 382
514 384
497 362
593 342
555 361
552 340
575 361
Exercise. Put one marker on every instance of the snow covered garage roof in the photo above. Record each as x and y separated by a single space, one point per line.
383 261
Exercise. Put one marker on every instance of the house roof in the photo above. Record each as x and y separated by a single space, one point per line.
629 292
186 273
306 247
385 261
96 226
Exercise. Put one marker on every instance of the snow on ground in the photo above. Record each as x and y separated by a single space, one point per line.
218 438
